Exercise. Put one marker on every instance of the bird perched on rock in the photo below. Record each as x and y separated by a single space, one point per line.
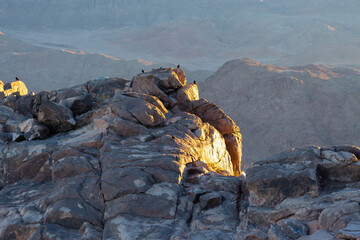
17 79
142 70
195 82
178 66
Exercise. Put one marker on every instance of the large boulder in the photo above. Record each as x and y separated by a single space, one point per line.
57 118
137 110
290 174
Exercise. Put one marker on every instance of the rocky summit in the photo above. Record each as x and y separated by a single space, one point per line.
147 159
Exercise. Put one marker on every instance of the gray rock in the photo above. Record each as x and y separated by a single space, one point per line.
269 184
79 104
275 233
32 129
56 117
351 231
292 228
103 89
210 200
121 181
71 213
319 235
339 157
329 215
159 201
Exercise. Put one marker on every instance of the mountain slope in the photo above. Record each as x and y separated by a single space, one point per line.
47 69
279 108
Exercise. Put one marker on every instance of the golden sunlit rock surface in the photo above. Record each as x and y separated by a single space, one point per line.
16 87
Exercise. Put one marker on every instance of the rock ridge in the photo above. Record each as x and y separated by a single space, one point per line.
148 159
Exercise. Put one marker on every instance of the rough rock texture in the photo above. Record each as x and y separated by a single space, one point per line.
136 166
119 162
295 195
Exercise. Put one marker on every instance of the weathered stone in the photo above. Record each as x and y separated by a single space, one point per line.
79 104
234 146
329 215
137 110
31 215
292 228
275 233
286 180
210 200
56 232
127 128
209 112
339 157
264 216
32 129
222 217
159 201
56 117
150 99
351 231
70 166
252 234
167 79
145 84
338 172
185 95
121 181
319 235
135 227
218 182
71 213
103 89
346 148
90 231
25 168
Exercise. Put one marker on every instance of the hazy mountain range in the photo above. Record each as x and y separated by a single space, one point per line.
44 68
198 34
280 108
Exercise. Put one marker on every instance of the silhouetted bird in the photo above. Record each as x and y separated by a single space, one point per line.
142 70
195 82
178 66
17 79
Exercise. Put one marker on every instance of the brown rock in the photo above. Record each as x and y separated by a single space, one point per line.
234 146
137 110
209 112
145 84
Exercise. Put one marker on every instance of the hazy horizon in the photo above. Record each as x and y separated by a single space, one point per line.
197 35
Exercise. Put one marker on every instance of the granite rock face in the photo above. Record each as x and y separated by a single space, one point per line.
160 164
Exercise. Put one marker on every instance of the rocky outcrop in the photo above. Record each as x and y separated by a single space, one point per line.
93 160
299 194
136 166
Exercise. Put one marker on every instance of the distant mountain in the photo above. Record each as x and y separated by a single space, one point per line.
199 34
279 108
48 69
